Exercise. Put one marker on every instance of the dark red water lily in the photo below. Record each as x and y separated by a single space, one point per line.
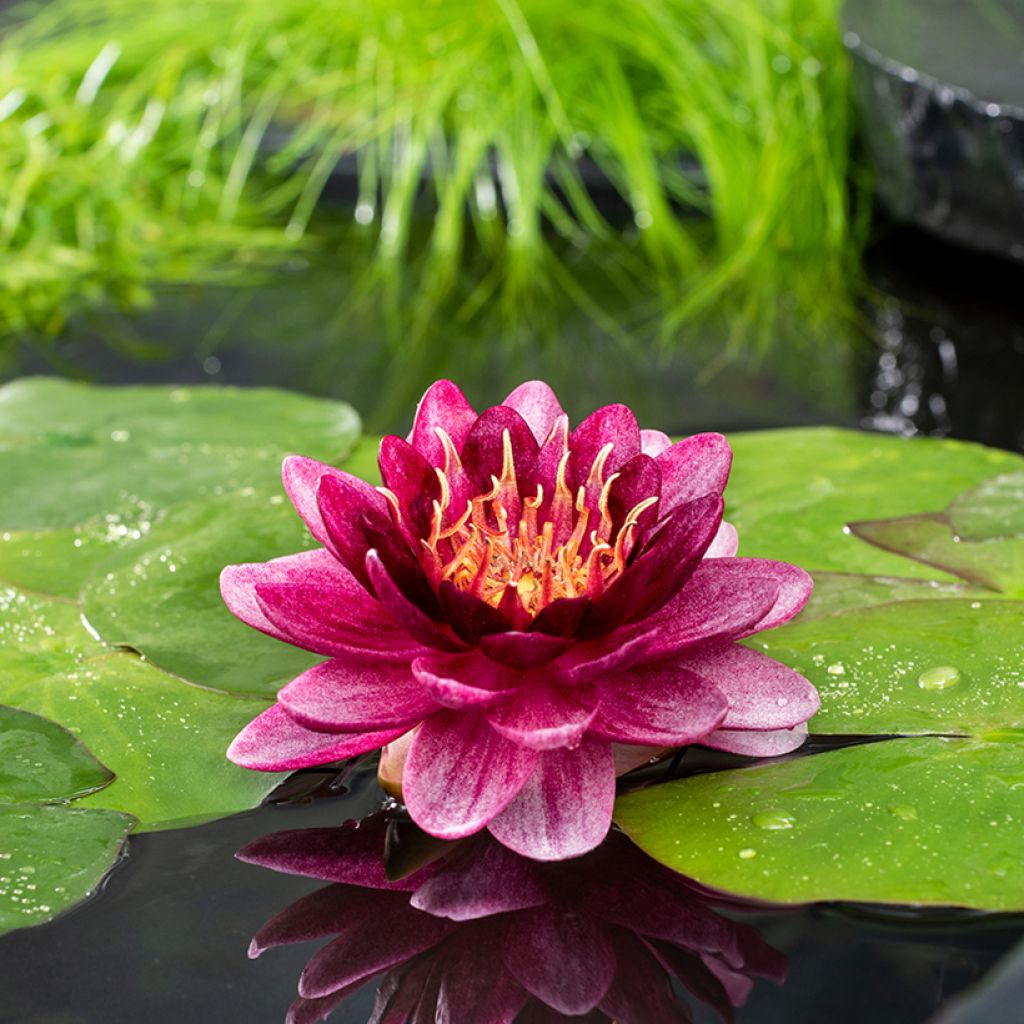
515 601
484 936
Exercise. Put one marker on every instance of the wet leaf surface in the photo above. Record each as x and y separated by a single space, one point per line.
51 855
930 820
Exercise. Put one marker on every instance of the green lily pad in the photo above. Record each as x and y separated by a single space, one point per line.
162 737
993 509
51 855
40 761
929 820
130 452
793 492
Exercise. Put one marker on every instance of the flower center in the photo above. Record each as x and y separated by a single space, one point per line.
522 553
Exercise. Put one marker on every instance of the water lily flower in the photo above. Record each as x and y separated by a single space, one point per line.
481 935
518 602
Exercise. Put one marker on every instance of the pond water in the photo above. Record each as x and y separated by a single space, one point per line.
167 938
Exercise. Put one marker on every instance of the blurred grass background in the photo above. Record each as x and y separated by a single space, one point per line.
655 167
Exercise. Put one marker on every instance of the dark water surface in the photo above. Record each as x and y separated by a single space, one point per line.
166 942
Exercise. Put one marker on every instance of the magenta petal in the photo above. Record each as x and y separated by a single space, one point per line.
694 467
318 569
716 602
793 583
445 406
591 662
725 544
654 442
544 716
612 424
562 617
464 682
414 621
413 481
762 693
275 742
488 880
460 773
638 480
658 705
523 650
469 616
564 957
358 693
565 809
641 992
323 913
538 405
344 504
667 560
313 616
368 945
302 478
474 987
483 454
352 853
757 744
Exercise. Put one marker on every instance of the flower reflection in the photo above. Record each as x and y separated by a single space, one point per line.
480 935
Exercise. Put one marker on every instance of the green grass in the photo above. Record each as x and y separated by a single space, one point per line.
149 143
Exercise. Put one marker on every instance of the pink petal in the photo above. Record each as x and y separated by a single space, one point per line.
538 405
344 506
667 560
641 992
473 987
368 945
734 576
757 744
413 481
523 650
614 424
445 406
322 913
694 467
470 617
545 717
275 742
313 616
565 809
465 682
654 442
489 879
638 480
483 453
726 542
358 693
302 479
319 569
352 853
714 604
460 773
412 619
762 693
660 705
564 957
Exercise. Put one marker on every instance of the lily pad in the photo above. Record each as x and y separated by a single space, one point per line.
134 451
40 761
793 492
51 856
930 820
162 598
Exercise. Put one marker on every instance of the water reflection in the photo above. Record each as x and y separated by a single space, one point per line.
471 933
